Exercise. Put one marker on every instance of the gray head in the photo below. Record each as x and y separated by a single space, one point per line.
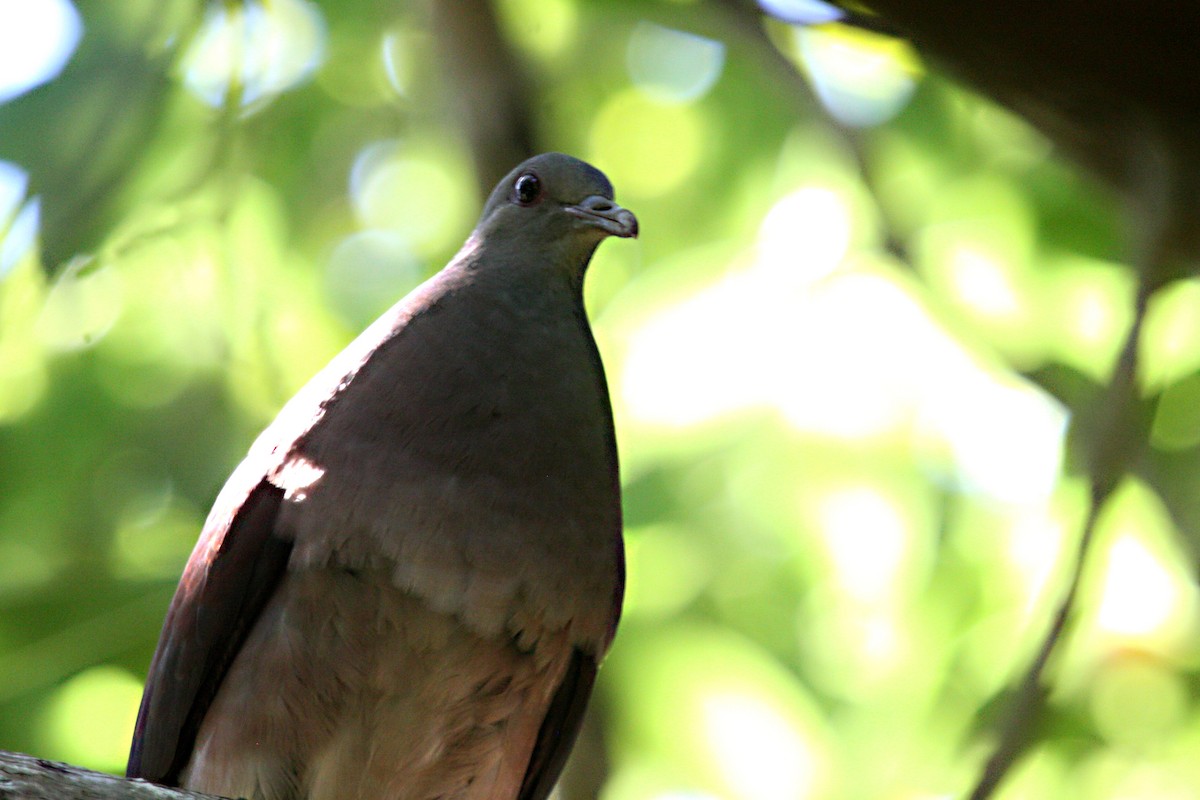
557 201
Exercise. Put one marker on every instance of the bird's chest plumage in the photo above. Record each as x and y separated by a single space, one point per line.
351 688
491 493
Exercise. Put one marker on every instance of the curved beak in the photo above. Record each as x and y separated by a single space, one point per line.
606 215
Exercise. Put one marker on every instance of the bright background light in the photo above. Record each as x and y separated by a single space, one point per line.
36 41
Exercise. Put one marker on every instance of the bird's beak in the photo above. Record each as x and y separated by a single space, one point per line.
606 215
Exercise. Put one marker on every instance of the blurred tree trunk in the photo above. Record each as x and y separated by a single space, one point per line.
489 88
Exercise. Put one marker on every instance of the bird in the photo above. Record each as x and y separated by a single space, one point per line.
405 589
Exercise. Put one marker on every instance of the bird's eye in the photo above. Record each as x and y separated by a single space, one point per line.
528 189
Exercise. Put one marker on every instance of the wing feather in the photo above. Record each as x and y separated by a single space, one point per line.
229 578
560 728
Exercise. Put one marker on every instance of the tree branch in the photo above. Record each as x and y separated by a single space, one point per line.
25 777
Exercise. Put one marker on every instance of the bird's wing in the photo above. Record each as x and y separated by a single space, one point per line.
232 573
557 734
235 568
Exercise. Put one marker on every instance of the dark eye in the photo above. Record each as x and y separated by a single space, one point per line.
528 189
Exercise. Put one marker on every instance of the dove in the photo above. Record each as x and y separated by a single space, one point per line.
406 588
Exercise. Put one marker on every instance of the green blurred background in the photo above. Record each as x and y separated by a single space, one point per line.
865 310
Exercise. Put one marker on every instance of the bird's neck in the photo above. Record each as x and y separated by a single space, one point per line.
511 266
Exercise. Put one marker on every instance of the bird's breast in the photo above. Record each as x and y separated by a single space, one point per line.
349 688
472 456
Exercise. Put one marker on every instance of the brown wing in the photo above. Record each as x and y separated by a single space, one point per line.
559 729
228 580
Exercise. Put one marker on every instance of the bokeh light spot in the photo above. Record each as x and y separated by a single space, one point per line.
981 282
761 755
1177 416
673 66
36 42
367 271
867 539
806 234
721 712
367 67
154 535
666 571
1006 438
400 58
18 217
802 12
862 79
854 356
255 50
81 307
89 720
13 183
1122 774
1136 701
27 566
1034 544
414 191
19 239
1140 595
1170 345
647 148
545 28
1087 308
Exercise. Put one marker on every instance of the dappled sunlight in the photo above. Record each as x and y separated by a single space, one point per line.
546 28
368 270
867 540
745 321
841 348
253 52
1005 437
759 752
649 148
665 572
1138 701
862 79
89 719
862 654
1035 545
806 12
154 534
671 65
843 358
1140 596
981 282
36 41
18 217
1137 595
390 186
1170 346
82 306
721 711
805 236
1087 307
1132 775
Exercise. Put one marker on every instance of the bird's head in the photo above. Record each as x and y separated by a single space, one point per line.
555 202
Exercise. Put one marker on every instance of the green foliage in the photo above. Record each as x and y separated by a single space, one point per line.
843 364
